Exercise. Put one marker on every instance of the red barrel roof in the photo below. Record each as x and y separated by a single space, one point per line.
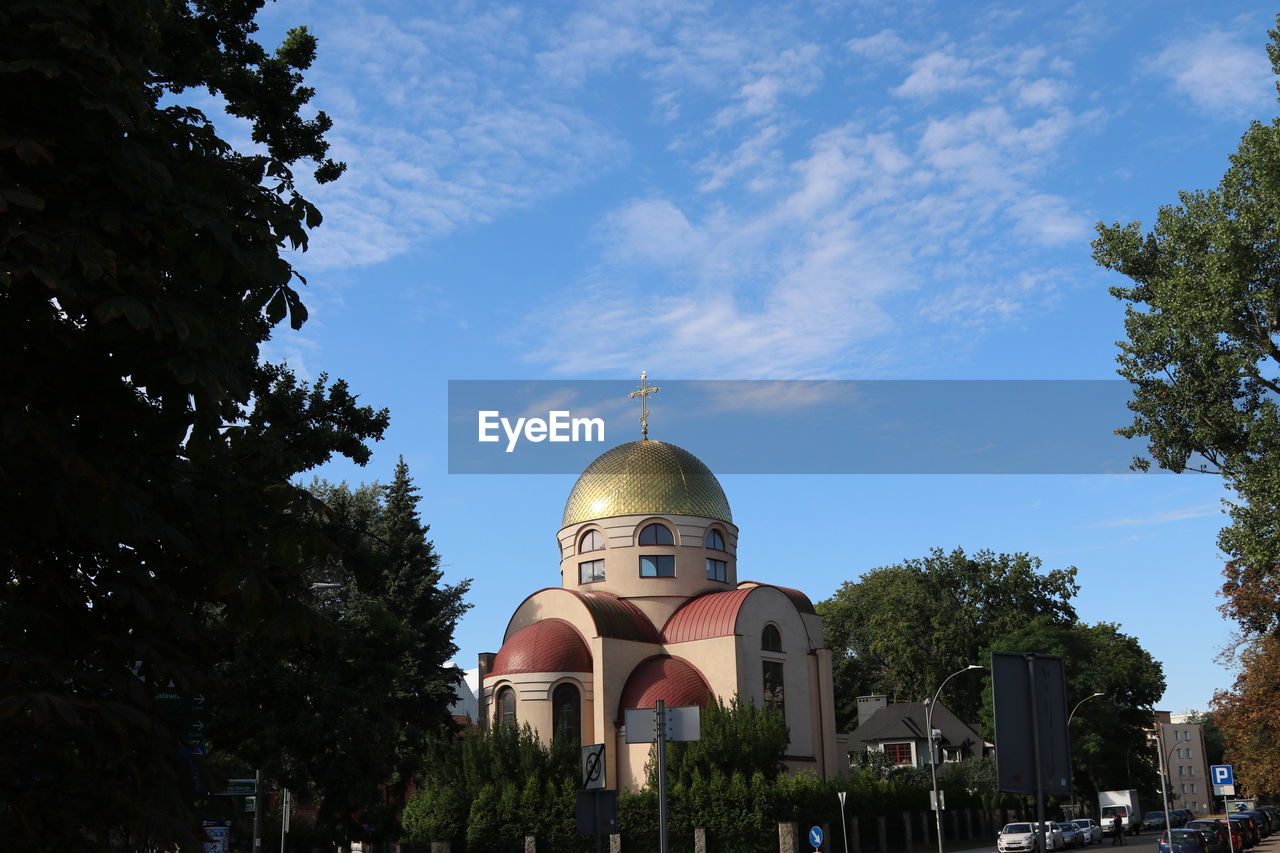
551 645
673 680
714 614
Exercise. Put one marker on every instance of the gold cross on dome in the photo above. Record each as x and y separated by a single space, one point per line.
643 394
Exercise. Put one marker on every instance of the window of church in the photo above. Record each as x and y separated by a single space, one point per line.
657 565
898 753
592 540
591 571
506 711
715 541
717 570
771 639
773 684
656 534
566 713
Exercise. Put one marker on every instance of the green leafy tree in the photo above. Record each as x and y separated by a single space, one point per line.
900 630
739 737
1202 317
146 452
372 684
1108 734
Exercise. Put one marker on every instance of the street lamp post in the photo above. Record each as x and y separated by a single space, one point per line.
1075 810
1164 781
933 761
1081 702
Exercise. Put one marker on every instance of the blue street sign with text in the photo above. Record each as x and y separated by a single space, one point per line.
1221 774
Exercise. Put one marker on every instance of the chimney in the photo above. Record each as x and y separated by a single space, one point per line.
868 705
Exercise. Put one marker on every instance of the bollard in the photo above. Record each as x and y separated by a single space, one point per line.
615 843
530 844
788 837
440 847
699 839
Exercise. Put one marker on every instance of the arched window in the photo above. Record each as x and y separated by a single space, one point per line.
715 541
592 540
656 534
566 713
771 639
505 714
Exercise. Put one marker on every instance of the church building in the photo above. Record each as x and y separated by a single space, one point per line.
649 607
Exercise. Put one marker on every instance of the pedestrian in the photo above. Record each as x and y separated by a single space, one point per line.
1117 831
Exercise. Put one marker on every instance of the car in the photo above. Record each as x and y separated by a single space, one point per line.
1053 834
1182 841
1089 829
1071 834
1248 828
1179 817
1237 838
1264 822
1213 833
1017 837
1153 820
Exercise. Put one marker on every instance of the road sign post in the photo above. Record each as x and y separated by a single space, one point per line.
815 837
593 771
658 725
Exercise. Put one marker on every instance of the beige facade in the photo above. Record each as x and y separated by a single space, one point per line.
650 607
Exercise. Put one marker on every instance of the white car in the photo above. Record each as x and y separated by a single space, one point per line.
1022 837
1090 829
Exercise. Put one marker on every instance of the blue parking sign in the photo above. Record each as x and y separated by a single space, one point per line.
1221 774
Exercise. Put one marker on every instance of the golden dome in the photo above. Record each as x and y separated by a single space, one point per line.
646 478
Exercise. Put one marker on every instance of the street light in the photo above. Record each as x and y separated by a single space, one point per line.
1081 702
933 761
1074 808
1164 781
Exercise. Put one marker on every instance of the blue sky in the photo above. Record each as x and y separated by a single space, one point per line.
847 190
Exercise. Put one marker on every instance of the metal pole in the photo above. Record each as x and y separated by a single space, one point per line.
844 830
660 710
284 816
933 762
1035 748
1231 842
1164 783
257 811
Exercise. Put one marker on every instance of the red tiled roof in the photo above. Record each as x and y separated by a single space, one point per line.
673 680
714 614
551 645
618 619
798 598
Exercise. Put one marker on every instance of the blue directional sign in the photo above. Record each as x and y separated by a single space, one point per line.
815 837
1221 774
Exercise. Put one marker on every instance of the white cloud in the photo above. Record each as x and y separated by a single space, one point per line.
936 73
1164 517
885 45
1218 73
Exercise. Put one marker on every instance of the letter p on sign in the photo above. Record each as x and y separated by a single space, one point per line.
1221 774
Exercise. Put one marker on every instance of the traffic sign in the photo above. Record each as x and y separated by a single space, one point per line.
593 766
1221 774
815 837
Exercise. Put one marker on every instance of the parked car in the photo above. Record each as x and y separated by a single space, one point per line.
1016 838
1264 822
1237 840
1213 833
1248 828
1071 834
1153 820
1089 829
1183 841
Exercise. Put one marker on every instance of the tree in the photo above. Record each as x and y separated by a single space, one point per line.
1202 317
1249 716
373 683
1214 740
146 452
1108 734
738 738
900 630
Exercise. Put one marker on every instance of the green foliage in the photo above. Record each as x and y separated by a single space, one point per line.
900 630
736 738
1214 739
148 453
1201 353
353 705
